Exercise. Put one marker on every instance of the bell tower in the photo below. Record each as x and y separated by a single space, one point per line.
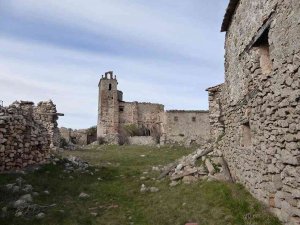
108 106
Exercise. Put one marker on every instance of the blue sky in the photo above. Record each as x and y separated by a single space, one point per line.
166 51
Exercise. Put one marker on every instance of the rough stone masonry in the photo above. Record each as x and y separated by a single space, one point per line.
27 133
255 114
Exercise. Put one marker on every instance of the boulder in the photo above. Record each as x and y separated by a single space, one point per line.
83 195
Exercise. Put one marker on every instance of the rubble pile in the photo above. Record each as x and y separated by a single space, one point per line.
22 203
201 164
73 164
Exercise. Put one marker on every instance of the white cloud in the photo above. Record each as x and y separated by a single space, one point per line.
128 19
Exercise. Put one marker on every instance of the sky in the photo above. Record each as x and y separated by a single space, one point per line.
164 51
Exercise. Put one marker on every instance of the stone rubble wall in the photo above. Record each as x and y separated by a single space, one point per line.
148 115
261 111
142 140
129 115
46 115
186 127
27 133
216 120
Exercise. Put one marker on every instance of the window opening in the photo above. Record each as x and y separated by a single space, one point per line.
263 46
246 135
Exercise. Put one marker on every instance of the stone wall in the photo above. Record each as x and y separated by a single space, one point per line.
46 114
216 119
148 115
128 113
186 127
260 103
27 133
142 140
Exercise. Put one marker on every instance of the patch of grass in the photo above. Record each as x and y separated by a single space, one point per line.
117 198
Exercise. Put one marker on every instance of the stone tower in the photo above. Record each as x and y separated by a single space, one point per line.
108 106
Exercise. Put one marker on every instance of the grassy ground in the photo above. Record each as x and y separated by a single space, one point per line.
117 198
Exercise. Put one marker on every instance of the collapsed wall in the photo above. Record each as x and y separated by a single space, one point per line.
255 114
78 137
27 133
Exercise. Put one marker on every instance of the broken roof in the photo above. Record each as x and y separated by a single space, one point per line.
229 14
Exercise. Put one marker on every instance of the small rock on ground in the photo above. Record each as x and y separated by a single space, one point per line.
40 215
18 214
189 179
19 203
154 189
143 188
27 188
26 198
83 195
210 167
173 183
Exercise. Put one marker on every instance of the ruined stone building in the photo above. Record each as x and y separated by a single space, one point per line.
255 113
27 133
178 126
78 136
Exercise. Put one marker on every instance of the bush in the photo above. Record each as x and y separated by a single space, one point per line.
101 140
92 131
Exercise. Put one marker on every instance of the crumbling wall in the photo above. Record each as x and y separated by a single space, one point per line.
216 119
138 113
46 114
26 134
128 113
143 115
150 114
80 136
261 107
186 127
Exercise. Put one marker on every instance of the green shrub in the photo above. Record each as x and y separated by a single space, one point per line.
101 140
92 131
